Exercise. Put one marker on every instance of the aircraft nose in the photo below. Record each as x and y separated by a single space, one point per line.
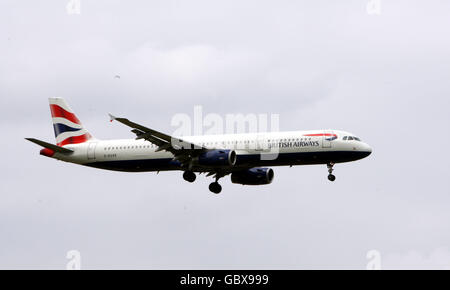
366 149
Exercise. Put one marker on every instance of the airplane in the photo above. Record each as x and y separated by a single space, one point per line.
247 157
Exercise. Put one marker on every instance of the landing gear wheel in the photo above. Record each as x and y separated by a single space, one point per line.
189 176
331 177
215 187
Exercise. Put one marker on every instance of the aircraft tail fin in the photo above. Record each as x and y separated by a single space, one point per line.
68 128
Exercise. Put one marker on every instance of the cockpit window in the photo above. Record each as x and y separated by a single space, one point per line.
348 138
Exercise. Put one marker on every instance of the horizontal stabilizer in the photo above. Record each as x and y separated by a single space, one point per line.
53 147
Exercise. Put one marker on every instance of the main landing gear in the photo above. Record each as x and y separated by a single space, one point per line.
215 187
331 177
189 176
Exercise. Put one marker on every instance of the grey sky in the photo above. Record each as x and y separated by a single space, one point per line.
319 64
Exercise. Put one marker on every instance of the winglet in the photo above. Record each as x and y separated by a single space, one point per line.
111 117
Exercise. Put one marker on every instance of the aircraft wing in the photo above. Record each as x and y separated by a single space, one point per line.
181 149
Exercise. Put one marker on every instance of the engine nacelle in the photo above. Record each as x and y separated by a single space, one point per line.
217 158
253 176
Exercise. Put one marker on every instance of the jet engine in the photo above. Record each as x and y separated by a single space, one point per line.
217 158
253 176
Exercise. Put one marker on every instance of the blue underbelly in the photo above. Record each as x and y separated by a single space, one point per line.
244 161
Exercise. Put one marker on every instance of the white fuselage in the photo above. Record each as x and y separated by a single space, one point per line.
261 149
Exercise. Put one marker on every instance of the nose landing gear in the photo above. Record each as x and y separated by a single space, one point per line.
331 177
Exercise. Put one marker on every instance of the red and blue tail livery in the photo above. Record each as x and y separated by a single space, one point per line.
68 128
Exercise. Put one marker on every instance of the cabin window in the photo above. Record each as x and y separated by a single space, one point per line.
350 138
345 138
